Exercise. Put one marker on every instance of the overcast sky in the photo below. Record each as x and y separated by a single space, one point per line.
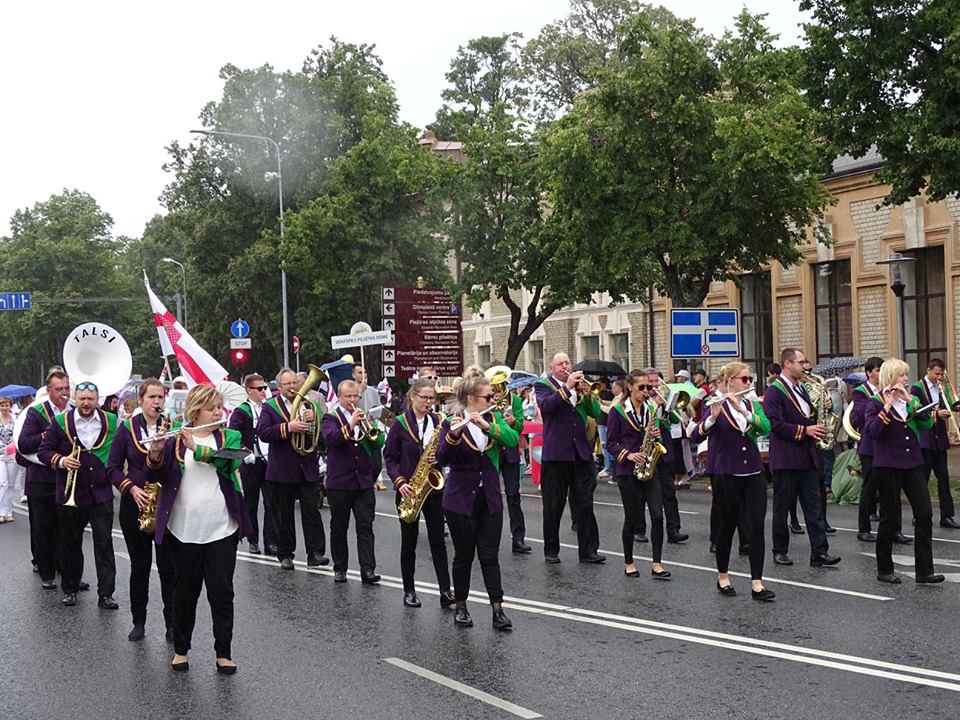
93 91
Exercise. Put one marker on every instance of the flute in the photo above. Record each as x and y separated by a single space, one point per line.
714 400
174 433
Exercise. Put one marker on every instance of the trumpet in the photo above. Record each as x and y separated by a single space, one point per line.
368 427
720 398
72 477
173 433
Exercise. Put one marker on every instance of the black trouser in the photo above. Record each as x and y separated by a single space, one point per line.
868 494
936 460
363 504
282 497
409 532
668 495
634 494
140 550
198 564
741 498
253 477
44 528
578 477
743 520
805 485
376 464
511 488
72 521
476 534
914 484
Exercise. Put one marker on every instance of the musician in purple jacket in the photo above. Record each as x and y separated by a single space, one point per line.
40 479
733 425
935 440
795 460
470 446
567 459
127 468
409 437
200 518
894 425
351 440
293 476
861 398
79 440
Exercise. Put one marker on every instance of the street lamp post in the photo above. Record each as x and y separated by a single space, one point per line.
268 176
183 278
896 261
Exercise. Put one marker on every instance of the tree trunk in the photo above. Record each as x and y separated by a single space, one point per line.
519 336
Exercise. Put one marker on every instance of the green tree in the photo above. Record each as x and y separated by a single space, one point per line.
887 74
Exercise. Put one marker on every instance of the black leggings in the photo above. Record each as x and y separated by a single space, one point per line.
634 494
409 532
738 495
476 534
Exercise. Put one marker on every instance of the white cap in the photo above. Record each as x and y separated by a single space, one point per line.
685 374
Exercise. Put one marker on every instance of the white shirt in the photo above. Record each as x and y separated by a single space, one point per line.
572 392
425 431
88 429
792 387
199 513
257 408
638 416
934 389
901 407
479 437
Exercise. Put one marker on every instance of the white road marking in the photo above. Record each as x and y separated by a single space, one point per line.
935 539
462 688
908 561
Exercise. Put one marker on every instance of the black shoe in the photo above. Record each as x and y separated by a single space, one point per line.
253 549
949 523
678 538
49 584
631 573
317 559
930 579
270 549
763 595
874 517
446 599
226 669
286 563
136 633
369 578
83 586
35 568
411 600
891 578
551 559
796 529
726 590
595 559
108 603
640 538
339 576
168 635
660 574
180 666
829 529
70 599
521 548
866 536
462 618
823 560
901 539
573 527
501 621
744 550
782 559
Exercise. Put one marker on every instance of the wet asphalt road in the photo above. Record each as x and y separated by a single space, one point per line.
588 642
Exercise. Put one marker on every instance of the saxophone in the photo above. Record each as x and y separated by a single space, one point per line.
817 388
424 480
148 514
651 449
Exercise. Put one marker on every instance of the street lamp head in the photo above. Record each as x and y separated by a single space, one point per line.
270 176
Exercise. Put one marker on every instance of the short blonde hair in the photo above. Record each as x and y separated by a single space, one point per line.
891 370
199 398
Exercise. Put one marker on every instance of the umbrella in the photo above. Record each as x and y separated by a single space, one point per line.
232 393
601 368
129 389
839 366
855 379
17 391
522 382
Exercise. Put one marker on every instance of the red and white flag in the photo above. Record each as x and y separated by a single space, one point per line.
196 364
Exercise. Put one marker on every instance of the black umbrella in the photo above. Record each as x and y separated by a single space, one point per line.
600 368
839 366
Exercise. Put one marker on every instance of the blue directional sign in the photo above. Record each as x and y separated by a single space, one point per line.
15 301
704 333
240 328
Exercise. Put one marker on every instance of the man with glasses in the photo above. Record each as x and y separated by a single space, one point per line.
292 476
78 443
246 419
369 402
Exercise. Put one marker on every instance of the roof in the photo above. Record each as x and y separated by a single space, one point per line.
848 165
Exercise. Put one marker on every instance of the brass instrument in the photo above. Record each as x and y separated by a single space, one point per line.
425 479
498 375
848 424
683 398
817 387
306 442
70 488
953 430
651 449
368 426
147 520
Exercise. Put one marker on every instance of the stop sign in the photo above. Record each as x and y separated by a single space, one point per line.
296 344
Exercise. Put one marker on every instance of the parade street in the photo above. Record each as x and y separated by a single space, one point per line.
588 642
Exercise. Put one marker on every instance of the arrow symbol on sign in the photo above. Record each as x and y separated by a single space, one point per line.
388 293
388 355
388 308
388 324
388 371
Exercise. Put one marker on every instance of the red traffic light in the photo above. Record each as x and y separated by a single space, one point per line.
239 356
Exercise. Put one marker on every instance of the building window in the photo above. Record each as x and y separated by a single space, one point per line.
834 304
620 350
924 309
483 355
590 347
535 362
756 314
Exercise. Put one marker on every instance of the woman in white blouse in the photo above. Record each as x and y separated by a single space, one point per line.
8 466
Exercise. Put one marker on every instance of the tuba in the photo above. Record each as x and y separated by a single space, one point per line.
498 375
307 442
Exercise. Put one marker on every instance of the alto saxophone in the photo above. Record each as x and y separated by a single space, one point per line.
148 513
817 387
651 449
425 479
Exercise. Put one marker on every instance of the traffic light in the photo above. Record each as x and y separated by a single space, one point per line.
239 356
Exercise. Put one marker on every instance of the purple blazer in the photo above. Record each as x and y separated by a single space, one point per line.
936 437
241 420
170 474
730 451
469 467
564 432
401 453
790 447
31 434
895 444
128 456
348 459
93 482
861 398
625 436
284 464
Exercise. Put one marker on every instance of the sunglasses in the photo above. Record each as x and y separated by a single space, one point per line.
489 397
87 386
642 387
745 378
261 388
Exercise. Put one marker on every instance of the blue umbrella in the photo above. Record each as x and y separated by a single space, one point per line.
522 382
338 371
17 391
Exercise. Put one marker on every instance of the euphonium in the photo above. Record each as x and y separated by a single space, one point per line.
498 376
70 488
651 449
306 442
425 479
